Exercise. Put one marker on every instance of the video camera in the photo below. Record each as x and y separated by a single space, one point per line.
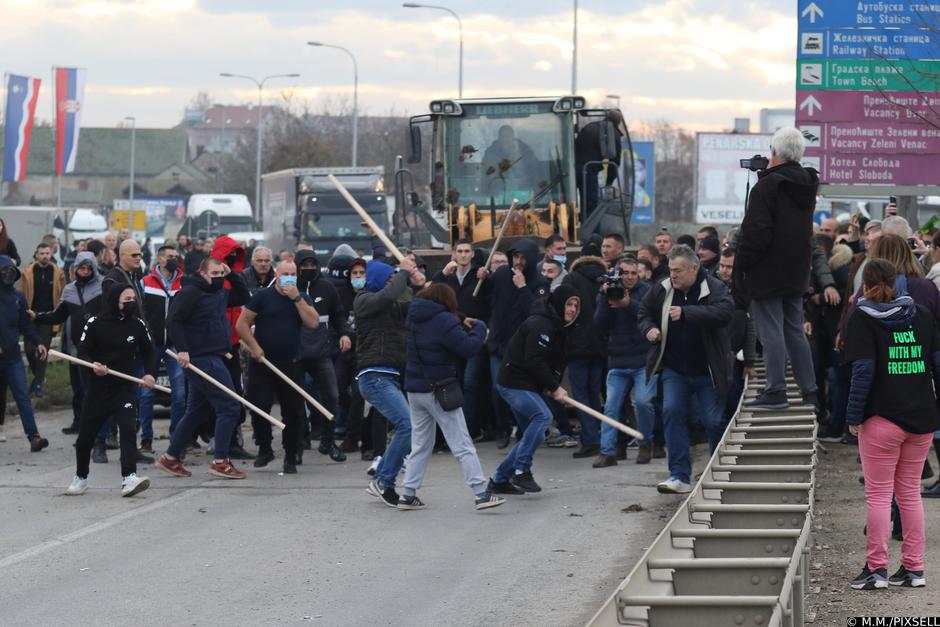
755 163
614 282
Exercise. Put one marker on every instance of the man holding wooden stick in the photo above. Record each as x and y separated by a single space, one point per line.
200 330
277 313
111 341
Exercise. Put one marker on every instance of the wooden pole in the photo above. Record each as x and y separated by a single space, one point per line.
320 408
613 423
274 421
499 238
88 364
366 218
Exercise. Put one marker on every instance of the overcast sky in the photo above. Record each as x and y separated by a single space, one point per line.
696 63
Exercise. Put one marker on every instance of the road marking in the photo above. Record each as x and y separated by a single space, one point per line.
101 525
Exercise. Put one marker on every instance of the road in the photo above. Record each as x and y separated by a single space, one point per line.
313 548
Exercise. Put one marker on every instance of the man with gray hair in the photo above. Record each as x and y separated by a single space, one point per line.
685 319
772 267
260 274
896 225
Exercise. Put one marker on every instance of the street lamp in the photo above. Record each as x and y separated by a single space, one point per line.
415 5
355 111
130 192
615 98
260 85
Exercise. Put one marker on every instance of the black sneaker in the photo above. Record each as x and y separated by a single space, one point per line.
237 451
587 451
143 458
932 492
488 500
828 433
37 443
99 453
769 400
112 443
410 502
811 399
849 439
265 457
525 482
871 580
907 578
388 496
503 440
335 452
503 487
72 429
289 467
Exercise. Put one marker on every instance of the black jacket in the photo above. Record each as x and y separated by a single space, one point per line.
509 304
14 321
535 360
257 283
468 304
775 241
197 321
380 318
626 346
710 317
113 339
584 340
321 341
436 339
119 276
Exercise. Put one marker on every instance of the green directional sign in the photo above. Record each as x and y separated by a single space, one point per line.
868 75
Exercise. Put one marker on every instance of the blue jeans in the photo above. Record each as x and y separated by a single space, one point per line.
15 374
619 383
501 411
177 395
472 369
586 376
678 390
204 399
533 417
383 392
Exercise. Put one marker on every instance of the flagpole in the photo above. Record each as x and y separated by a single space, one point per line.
3 162
54 137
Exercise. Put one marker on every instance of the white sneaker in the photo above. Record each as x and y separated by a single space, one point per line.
3 436
133 484
374 466
77 487
673 486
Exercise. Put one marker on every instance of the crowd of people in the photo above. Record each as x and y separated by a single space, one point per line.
661 338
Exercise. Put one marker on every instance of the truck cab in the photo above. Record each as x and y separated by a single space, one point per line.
210 215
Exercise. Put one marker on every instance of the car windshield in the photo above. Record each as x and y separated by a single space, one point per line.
236 223
503 151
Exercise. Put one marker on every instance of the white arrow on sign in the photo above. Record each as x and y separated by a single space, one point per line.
811 105
813 11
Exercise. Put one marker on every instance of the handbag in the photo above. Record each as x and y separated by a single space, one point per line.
447 392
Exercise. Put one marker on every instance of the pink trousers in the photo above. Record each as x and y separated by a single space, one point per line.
892 461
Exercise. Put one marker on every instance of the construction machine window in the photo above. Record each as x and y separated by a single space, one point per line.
499 152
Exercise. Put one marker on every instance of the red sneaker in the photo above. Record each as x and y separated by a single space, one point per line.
172 466
226 470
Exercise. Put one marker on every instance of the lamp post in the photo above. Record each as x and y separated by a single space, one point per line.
574 52
416 5
355 111
130 191
260 84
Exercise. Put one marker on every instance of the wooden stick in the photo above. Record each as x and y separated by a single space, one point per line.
120 375
367 218
499 238
320 408
274 421
613 423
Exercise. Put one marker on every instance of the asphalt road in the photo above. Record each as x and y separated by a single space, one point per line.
312 548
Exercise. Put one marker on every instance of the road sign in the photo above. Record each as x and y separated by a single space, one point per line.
847 14
868 74
877 43
874 169
877 138
844 106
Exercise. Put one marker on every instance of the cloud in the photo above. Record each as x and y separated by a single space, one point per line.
542 66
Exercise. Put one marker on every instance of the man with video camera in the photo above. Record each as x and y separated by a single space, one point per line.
772 266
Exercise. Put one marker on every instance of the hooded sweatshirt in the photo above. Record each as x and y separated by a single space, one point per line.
775 245
198 322
535 359
510 304
14 321
894 350
113 338
585 340
232 253
320 342
80 300
380 319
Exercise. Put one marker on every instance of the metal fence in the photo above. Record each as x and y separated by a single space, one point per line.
737 550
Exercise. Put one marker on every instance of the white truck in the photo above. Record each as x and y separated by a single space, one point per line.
211 215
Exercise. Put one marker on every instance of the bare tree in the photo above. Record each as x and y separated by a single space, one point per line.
675 167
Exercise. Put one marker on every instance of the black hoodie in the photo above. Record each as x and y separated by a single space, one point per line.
113 339
586 341
320 342
509 304
14 321
535 359
775 241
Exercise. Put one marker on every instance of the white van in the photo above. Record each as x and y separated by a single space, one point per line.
83 223
232 216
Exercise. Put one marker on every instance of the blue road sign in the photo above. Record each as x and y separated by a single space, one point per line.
846 14
867 43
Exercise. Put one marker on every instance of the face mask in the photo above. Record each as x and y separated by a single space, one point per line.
359 283
561 259
172 265
129 308
284 281
8 278
217 283
309 276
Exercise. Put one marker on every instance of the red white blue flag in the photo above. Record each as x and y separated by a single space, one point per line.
69 93
22 94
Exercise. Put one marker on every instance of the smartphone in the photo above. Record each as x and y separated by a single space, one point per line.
893 200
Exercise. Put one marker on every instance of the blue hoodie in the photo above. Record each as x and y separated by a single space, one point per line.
14 321
377 274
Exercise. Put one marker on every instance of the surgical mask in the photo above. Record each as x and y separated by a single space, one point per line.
129 308
284 281
172 265
359 283
8 277
217 283
560 259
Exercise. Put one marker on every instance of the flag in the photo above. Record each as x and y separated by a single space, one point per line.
69 92
22 94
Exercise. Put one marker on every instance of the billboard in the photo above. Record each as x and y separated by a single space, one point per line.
720 182
644 197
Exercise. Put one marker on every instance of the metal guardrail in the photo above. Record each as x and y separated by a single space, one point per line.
737 551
